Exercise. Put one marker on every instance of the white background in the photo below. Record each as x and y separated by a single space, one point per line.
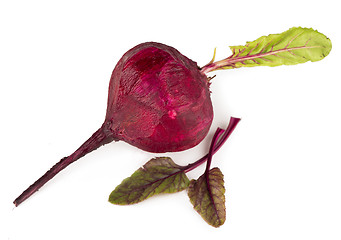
282 165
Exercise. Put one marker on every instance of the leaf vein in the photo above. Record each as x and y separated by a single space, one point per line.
293 39
267 46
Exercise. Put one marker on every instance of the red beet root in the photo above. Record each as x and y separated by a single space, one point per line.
158 101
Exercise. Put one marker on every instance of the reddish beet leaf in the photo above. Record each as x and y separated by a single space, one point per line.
159 175
207 194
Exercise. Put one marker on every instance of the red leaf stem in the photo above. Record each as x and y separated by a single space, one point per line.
232 125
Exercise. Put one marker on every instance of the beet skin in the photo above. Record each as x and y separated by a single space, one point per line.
158 101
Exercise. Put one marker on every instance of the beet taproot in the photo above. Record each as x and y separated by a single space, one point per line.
158 101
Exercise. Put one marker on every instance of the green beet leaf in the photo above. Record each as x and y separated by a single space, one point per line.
207 194
159 175
294 46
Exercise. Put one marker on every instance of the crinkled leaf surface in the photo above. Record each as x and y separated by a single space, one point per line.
296 45
159 175
207 194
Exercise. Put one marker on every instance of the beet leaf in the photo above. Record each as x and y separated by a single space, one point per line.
294 46
159 175
207 194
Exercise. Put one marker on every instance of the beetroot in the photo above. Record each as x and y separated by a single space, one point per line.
158 101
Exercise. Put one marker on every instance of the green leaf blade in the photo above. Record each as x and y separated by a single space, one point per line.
159 175
294 46
208 197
